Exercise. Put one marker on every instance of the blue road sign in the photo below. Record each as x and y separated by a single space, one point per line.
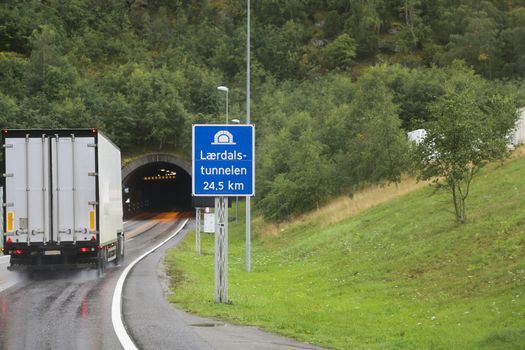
223 160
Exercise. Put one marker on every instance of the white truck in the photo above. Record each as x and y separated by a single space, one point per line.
62 200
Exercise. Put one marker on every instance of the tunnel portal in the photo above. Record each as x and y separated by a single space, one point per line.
158 183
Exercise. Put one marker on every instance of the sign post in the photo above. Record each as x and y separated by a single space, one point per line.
223 166
198 225
221 249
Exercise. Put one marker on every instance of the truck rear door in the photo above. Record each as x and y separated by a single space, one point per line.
74 188
27 189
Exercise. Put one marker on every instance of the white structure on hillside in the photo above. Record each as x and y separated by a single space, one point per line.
417 136
518 136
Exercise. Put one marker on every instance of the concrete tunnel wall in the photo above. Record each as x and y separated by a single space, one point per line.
162 195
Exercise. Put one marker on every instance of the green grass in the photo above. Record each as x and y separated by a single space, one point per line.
402 275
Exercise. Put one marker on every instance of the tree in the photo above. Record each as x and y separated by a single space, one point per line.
479 45
294 169
365 25
46 62
376 146
9 112
281 49
513 52
145 105
467 132
12 69
340 53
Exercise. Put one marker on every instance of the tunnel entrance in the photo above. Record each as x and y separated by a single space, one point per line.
159 183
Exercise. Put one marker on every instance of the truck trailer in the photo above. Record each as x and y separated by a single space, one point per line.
62 199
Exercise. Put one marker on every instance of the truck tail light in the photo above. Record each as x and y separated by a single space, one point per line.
18 251
84 250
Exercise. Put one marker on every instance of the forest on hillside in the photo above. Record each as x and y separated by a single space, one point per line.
336 84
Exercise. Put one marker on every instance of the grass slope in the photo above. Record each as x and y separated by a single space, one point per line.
401 275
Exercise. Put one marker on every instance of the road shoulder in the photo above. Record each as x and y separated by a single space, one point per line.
154 323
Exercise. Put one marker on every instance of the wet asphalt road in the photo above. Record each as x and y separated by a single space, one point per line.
68 309
72 310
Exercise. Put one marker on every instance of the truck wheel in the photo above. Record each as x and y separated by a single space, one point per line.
117 252
102 260
123 246
120 250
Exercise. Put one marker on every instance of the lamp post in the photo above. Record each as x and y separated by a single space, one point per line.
225 89
236 121
248 198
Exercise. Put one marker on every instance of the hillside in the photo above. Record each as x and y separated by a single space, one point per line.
399 275
335 85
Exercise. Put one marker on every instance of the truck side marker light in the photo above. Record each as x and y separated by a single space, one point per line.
93 238
92 221
9 240
10 221
3 250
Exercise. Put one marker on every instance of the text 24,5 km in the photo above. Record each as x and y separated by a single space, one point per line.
222 185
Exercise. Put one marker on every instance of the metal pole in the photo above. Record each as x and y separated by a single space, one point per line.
28 197
236 209
2 214
248 199
221 250
227 92
198 231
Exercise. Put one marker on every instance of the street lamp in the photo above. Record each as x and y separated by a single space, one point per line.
248 198
236 121
225 89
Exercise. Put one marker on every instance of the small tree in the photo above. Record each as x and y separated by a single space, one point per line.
340 53
467 132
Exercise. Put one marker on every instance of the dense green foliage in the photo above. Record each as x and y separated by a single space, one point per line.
324 139
332 81
401 275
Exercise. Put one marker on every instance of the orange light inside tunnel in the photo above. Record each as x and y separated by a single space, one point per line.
159 177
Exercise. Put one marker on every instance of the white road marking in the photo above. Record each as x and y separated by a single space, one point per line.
116 304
